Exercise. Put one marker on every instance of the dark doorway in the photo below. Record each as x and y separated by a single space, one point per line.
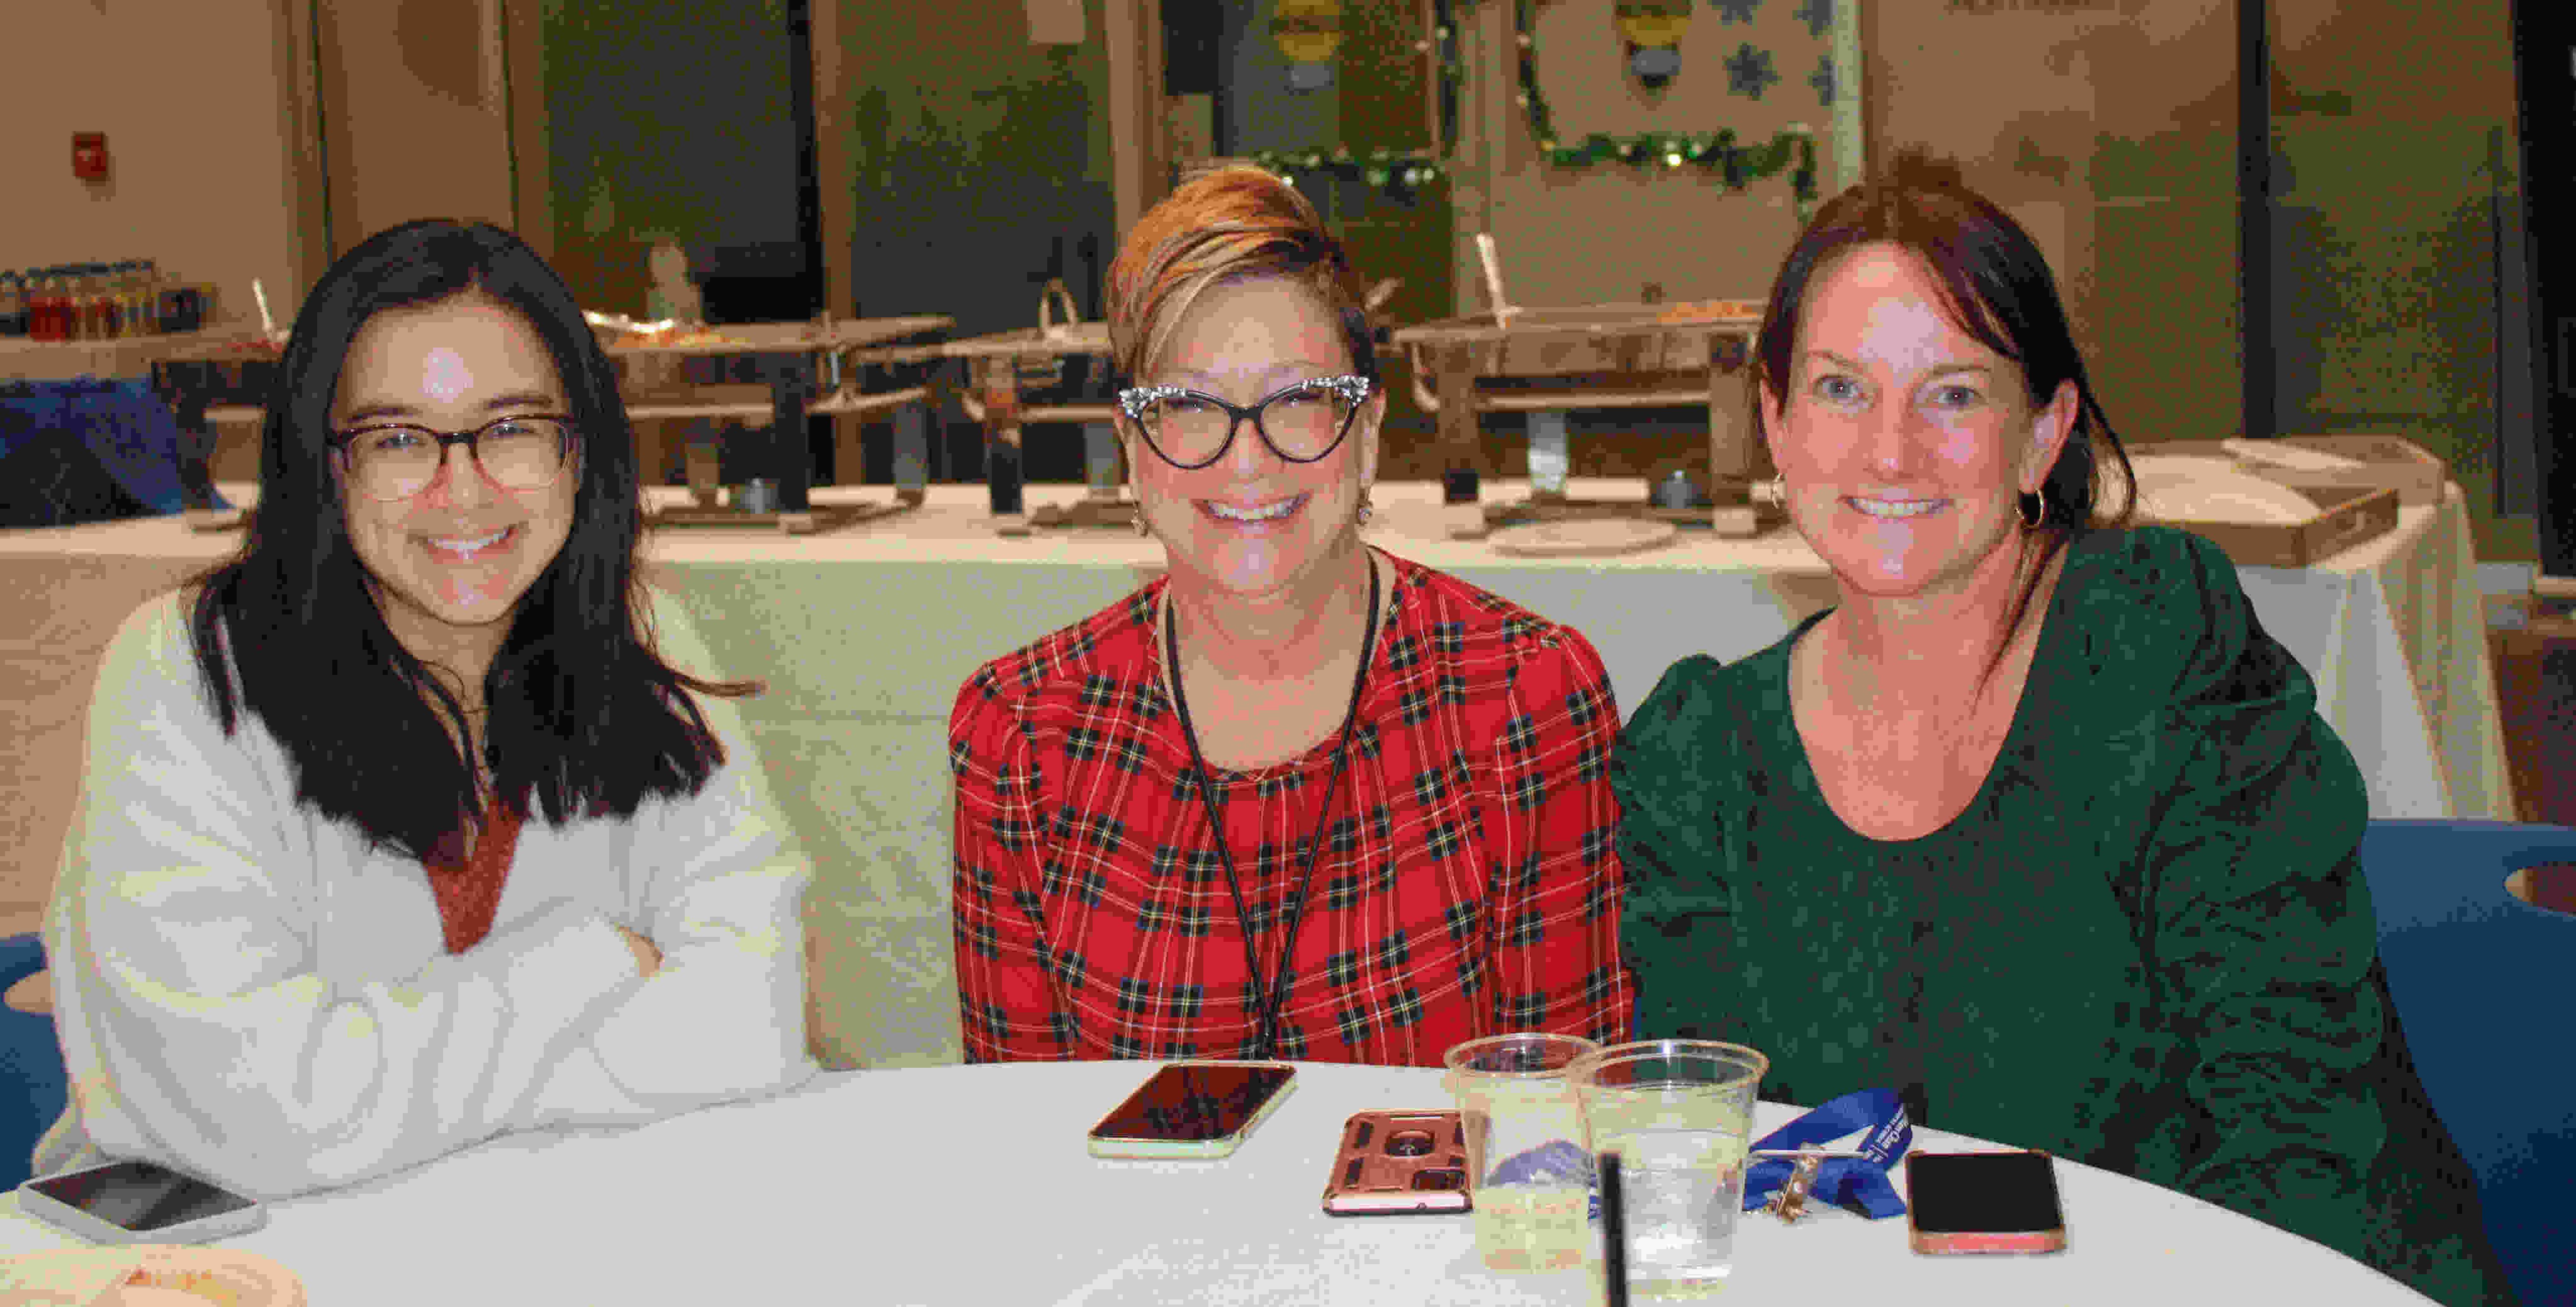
782 281
2544 57
2254 154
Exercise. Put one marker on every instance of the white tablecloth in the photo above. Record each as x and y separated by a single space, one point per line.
864 635
971 1185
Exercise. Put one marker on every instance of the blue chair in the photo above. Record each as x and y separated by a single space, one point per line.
32 1083
2481 980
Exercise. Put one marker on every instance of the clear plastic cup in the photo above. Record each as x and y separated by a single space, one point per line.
1679 1113
1530 1179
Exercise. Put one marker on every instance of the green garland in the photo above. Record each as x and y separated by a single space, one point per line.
1402 173
1399 173
1714 152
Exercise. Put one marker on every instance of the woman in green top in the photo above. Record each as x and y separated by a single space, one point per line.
2038 826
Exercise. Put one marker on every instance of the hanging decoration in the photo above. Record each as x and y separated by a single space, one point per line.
1401 174
1653 31
1793 148
1738 163
1309 32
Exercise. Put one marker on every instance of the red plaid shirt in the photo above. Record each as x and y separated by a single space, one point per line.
1469 884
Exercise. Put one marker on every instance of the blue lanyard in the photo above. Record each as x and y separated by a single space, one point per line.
1843 1181
1856 1182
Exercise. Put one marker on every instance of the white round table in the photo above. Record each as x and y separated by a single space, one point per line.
972 1185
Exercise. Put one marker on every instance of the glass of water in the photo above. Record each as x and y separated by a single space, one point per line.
1679 1113
1530 1180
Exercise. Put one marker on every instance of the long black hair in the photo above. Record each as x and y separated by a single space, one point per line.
1995 286
583 714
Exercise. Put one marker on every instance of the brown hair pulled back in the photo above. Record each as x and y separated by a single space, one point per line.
1995 285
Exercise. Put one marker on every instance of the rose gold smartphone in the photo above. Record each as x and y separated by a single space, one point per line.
1983 1203
1399 1163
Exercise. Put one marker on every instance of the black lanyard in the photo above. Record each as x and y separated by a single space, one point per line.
1272 997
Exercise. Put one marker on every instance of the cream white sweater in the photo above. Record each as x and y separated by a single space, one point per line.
244 991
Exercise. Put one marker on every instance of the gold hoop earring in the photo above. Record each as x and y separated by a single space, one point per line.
2034 511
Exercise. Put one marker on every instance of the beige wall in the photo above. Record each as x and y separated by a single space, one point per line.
416 108
192 97
2111 135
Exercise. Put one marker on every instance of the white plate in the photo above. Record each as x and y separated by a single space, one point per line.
2216 490
1582 537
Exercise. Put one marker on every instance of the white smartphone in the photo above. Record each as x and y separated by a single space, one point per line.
1193 1110
139 1202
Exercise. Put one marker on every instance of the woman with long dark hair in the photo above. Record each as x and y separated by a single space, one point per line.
2038 826
400 830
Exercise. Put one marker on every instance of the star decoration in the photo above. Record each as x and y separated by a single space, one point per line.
1823 80
1817 15
1749 72
1735 11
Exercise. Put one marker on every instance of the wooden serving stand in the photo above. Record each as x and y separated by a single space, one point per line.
2346 514
1546 361
797 368
1001 368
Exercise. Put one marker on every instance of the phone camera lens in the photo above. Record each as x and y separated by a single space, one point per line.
1410 1143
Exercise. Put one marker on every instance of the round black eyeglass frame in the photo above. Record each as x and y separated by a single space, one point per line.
473 442
1133 400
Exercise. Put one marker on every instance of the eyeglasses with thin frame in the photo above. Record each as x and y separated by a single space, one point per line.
390 462
1301 422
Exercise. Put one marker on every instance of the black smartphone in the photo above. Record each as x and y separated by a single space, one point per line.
1983 1203
1193 1109
139 1202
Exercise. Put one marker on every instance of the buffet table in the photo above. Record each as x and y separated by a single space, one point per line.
1545 362
843 366
972 1185
22 359
865 634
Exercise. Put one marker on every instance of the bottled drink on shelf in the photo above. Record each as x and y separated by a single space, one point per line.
43 312
101 303
76 292
13 305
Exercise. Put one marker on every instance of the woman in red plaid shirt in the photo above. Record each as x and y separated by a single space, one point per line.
1295 746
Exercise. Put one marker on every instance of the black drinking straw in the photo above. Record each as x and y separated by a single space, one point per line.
1614 1232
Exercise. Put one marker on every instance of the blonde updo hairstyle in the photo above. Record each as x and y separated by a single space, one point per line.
1232 224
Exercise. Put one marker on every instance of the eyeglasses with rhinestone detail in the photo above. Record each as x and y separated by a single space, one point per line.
390 462
1301 422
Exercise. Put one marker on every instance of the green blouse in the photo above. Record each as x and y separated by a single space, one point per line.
2145 944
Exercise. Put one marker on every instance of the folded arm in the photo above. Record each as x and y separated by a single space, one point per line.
194 1017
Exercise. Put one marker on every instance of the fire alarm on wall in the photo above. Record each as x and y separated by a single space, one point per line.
89 156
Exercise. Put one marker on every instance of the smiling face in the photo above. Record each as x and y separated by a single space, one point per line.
1905 442
451 563
1241 342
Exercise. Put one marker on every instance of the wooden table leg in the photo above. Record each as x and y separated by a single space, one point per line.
192 393
998 383
1454 380
912 453
1736 456
791 383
